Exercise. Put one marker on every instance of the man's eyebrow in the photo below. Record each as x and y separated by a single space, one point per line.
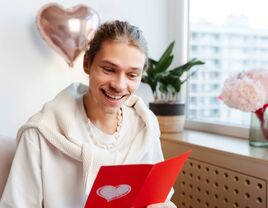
108 62
136 68
113 64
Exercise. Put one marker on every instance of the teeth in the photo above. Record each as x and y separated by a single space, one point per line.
113 96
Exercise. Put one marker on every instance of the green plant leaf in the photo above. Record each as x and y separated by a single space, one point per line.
151 82
154 62
186 67
164 80
173 81
162 65
151 71
163 88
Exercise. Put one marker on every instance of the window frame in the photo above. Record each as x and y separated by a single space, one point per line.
217 128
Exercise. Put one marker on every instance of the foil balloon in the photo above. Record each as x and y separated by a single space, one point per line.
68 31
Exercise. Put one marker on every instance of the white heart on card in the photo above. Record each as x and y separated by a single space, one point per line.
110 192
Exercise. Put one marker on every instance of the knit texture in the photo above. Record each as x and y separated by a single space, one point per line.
54 123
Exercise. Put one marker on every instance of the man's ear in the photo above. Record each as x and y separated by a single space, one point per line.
86 63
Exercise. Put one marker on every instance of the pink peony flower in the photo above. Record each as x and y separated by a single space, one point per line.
246 91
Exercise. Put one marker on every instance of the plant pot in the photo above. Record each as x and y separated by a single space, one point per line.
171 116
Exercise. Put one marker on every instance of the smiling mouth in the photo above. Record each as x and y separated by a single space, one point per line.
111 96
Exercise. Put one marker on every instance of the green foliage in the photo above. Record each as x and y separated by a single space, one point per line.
163 80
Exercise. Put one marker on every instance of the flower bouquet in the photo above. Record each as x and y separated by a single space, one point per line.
248 91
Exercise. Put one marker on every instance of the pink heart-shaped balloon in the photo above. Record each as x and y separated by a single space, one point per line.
68 31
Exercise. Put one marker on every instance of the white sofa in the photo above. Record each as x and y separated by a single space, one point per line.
7 151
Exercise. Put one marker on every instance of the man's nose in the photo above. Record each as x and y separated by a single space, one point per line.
119 83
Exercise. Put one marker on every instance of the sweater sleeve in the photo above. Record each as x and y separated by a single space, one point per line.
24 185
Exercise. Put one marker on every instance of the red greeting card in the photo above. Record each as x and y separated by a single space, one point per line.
134 186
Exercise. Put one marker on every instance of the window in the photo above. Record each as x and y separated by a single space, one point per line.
230 36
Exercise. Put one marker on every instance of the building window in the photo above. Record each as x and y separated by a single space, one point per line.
229 37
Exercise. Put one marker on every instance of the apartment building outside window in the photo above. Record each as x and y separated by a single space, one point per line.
229 36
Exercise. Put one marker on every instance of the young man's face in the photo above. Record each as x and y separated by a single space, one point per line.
115 74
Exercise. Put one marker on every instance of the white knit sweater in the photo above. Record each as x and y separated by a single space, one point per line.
55 131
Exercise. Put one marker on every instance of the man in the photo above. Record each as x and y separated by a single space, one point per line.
61 148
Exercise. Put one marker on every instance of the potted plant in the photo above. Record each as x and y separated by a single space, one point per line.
165 83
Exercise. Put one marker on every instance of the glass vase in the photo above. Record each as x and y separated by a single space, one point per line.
258 134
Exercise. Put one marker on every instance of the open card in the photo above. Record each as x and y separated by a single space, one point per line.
134 186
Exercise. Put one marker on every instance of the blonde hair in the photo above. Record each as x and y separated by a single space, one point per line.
118 31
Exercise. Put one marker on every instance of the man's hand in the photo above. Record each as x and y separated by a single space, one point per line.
163 205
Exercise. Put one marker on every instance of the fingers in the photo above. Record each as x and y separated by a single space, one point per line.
162 205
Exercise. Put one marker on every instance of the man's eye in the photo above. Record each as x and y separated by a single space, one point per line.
108 69
133 75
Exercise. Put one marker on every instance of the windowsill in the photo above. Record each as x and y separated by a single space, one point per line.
217 142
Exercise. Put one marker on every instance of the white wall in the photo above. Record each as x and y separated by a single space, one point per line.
31 73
